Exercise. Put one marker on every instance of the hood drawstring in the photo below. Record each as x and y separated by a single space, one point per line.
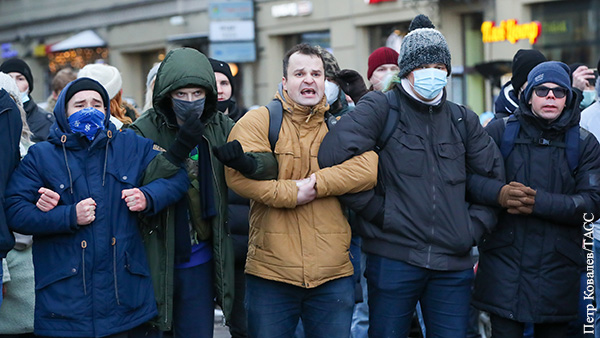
109 134
63 140
312 112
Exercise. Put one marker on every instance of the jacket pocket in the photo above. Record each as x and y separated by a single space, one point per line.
452 162
127 178
62 185
571 250
409 158
132 289
59 291
288 161
497 240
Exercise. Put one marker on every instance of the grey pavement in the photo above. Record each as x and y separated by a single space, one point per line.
220 331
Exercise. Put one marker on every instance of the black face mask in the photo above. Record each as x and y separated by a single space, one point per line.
223 105
186 109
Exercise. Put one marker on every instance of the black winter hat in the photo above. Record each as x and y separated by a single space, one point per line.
223 68
423 45
86 83
523 62
19 66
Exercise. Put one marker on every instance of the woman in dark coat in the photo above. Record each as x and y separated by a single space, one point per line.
529 266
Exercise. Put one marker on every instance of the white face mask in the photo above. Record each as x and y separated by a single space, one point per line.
24 97
332 92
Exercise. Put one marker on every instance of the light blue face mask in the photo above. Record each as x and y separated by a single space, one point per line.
24 97
589 96
429 82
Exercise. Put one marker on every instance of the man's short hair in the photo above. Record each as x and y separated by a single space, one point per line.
302 48
62 78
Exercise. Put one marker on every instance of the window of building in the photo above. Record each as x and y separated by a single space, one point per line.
389 35
570 30
321 38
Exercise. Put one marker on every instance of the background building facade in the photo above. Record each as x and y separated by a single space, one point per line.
133 34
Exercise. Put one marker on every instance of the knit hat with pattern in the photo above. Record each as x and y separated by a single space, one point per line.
329 62
423 45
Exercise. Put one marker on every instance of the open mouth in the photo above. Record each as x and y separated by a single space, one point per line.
308 92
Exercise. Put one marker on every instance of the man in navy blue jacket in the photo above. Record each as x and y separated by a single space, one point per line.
10 123
91 274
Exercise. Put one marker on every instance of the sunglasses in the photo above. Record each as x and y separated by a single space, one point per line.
542 91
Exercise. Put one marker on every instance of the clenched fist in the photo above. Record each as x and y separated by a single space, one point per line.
86 211
135 199
48 199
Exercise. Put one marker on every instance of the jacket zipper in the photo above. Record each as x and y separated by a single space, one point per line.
83 246
433 190
166 276
212 168
114 245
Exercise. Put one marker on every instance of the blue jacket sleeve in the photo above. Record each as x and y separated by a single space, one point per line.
163 192
21 196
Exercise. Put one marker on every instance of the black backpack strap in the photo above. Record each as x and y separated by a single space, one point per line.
459 120
571 143
391 123
275 109
511 131
572 140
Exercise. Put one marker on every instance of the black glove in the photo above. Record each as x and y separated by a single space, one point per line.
189 135
232 155
351 83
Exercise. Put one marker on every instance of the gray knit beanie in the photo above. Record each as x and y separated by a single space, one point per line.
422 45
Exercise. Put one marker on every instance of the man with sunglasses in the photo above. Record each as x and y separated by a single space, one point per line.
529 265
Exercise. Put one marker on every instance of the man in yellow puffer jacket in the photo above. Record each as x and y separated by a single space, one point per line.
298 264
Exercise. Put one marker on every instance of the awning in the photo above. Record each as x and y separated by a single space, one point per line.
85 39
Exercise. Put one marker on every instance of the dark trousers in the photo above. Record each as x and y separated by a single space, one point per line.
395 287
193 305
507 328
237 322
275 308
142 331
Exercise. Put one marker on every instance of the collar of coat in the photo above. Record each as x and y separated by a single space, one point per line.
303 114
